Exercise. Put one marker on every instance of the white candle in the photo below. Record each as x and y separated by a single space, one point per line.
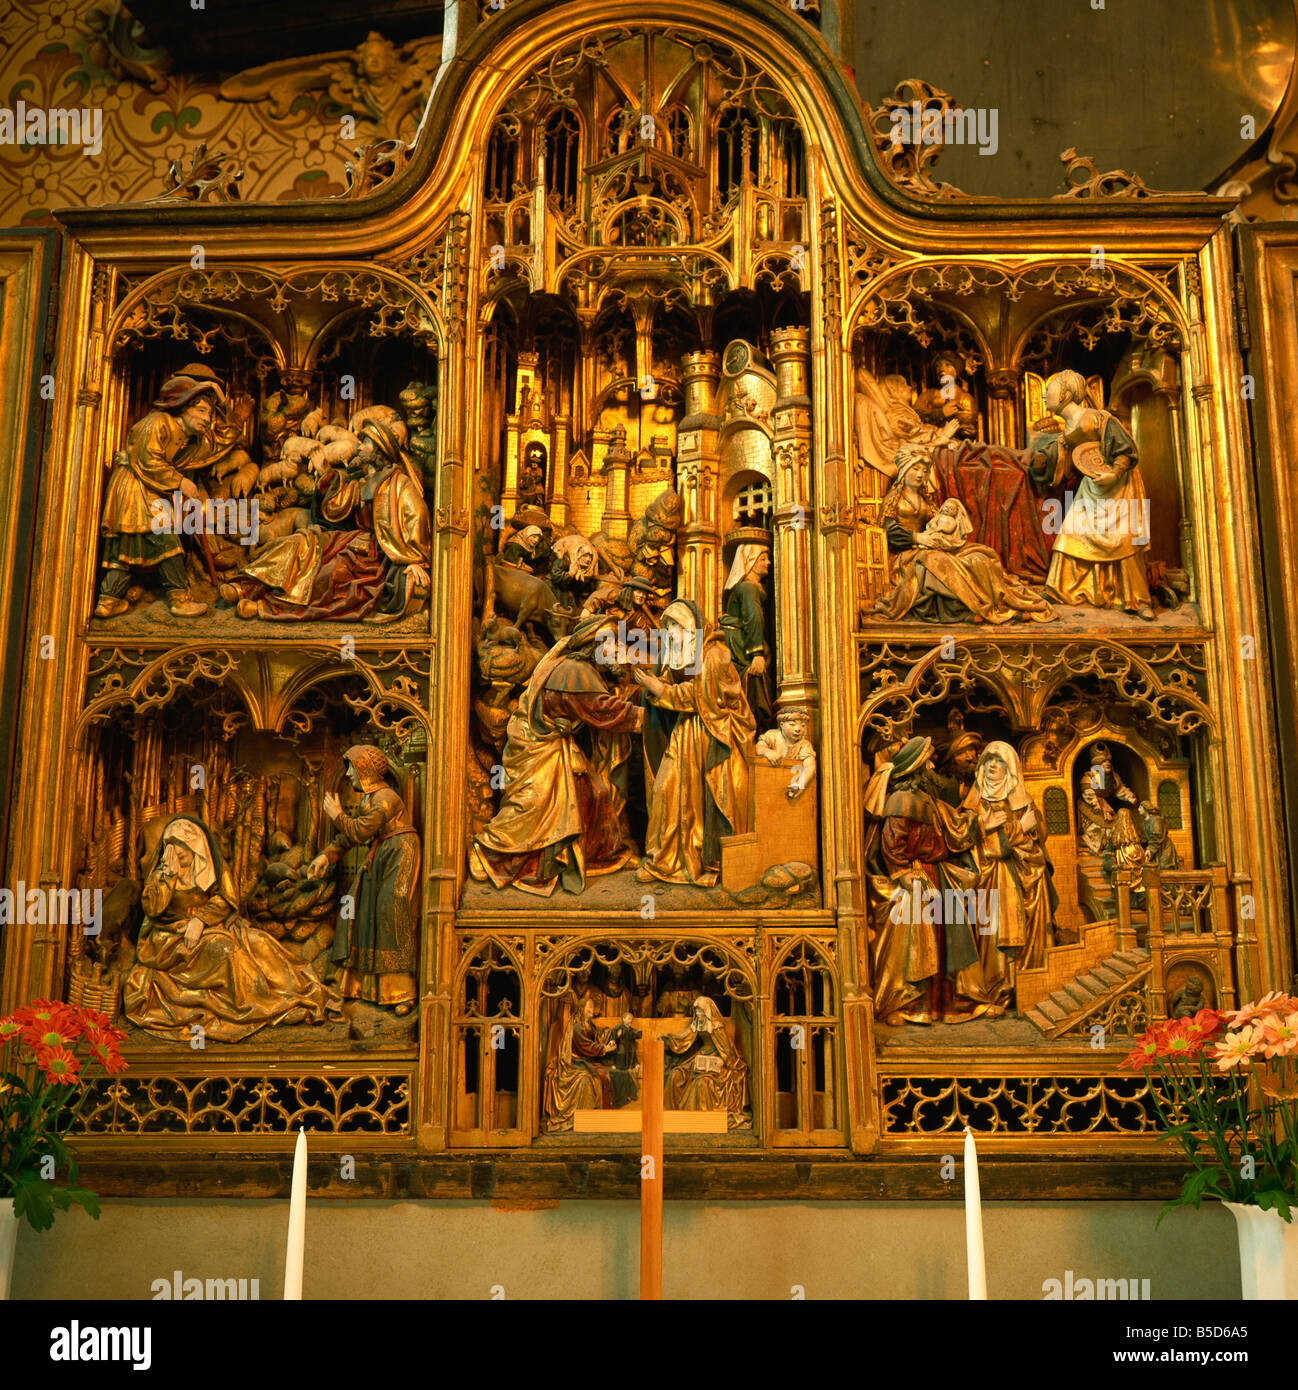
973 1220
296 1249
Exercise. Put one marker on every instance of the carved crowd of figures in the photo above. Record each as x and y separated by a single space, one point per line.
200 960
599 686
593 1051
985 533
332 526
961 890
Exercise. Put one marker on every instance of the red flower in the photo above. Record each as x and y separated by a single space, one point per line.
9 1027
1178 1039
1144 1054
104 1049
105 1052
1207 1023
59 1066
41 1017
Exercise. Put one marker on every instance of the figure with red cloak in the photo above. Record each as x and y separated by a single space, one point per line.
559 817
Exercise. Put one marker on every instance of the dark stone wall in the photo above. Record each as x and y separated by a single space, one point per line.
1155 87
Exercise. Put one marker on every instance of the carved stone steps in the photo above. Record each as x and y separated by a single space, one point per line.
1087 998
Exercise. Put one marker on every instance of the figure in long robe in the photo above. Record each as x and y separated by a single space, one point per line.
949 578
1010 855
924 963
558 820
201 970
578 1074
744 627
884 420
374 950
699 743
1099 552
705 1070
163 452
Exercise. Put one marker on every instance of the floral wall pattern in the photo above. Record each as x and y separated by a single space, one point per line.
291 126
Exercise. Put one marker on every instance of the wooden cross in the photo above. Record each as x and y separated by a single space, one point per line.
651 1122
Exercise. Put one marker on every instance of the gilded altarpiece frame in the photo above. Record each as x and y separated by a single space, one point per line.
876 249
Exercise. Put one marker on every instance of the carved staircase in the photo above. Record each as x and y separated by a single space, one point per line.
1080 984
1093 996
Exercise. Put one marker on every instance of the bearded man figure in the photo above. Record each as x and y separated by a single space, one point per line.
699 742
565 754
924 958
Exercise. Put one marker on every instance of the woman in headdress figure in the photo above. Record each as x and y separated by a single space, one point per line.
744 627
699 742
705 1068
374 949
198 964
1010 854
949 578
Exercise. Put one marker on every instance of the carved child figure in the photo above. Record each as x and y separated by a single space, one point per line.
1188 1000
789 746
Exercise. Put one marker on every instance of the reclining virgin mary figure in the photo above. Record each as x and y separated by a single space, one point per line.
199 964
370 564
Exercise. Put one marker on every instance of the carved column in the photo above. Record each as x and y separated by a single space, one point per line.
452 574
1002 410
697 459
617 464
791 354
840 759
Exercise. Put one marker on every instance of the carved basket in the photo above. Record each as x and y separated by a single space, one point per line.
93 987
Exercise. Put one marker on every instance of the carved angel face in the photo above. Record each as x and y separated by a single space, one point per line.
377 59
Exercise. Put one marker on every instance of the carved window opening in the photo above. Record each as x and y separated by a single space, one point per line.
1169 804
487 1048
500 361
618 129
680 133
1055 810
793 162
806 1085
556 340
563 157
737 150
502 164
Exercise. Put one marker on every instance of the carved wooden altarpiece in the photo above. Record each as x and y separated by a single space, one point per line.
633 312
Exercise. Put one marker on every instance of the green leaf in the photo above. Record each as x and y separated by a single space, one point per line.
1274 1199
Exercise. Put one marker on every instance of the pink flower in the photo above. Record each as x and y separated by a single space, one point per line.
1280 1036
1238 1047
1272 1003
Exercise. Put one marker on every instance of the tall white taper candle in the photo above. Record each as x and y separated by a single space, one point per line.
296 1250
973 1220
